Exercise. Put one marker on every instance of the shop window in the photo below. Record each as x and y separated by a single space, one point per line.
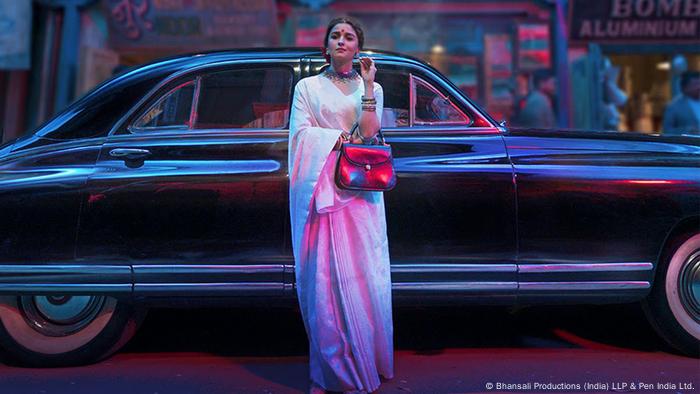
245 98
434 108
395 86
173 110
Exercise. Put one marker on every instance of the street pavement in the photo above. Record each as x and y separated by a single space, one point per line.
552 349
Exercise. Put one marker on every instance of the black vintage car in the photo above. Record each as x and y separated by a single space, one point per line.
168 184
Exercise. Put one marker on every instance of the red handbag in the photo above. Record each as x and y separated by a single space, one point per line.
365 167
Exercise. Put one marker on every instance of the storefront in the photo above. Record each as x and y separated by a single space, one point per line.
648 44
487 48
76 44
15 60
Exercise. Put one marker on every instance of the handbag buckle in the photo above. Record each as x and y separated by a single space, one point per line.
368 167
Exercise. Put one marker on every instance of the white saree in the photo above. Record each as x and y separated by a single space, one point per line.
340 245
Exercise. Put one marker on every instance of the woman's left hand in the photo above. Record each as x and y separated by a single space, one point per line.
367 69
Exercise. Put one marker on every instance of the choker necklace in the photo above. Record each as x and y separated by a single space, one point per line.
340 77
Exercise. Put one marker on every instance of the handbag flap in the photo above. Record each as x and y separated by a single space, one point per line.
366 154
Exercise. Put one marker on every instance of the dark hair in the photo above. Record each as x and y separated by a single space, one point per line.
688 76
350 21
541 75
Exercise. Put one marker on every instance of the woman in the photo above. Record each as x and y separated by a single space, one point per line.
339 237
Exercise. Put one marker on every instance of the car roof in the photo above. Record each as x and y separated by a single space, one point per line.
187 60
162 67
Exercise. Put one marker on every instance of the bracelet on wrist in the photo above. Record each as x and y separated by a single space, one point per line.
362 138
366 140
370 100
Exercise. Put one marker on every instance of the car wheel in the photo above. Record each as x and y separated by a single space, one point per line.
65 330
673 306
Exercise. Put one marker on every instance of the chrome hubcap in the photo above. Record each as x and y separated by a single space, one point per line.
689 285
60 315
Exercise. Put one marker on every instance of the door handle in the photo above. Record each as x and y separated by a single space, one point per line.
130 153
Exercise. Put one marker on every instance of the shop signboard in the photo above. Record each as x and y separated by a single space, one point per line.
533 46
15 34
191 24
634 21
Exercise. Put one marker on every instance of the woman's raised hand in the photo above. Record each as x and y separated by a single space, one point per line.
367 69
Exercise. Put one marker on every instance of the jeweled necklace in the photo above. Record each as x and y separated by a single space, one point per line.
340 77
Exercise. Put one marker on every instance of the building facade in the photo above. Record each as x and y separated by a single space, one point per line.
56 50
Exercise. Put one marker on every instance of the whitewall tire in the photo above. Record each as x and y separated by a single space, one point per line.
673 306
64 330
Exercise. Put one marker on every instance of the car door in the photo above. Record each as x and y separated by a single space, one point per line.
594 209
192 188
451 216
41 186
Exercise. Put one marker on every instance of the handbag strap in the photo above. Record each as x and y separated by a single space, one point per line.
379 132
381 136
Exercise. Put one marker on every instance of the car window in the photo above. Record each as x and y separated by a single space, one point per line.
430 105
173 110
434 108
395 86
246 98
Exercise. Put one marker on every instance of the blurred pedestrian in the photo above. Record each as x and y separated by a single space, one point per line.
538 110
613 96
682 114
519 90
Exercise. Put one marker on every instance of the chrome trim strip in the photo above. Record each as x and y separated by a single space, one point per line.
240 137
116 169
65 288
188 288
442 129
587 267
454 286
194 114
70 269
454 268
65 279
411 100
591 285
209 269
409 165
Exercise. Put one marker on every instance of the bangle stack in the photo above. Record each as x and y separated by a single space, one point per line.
369 104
